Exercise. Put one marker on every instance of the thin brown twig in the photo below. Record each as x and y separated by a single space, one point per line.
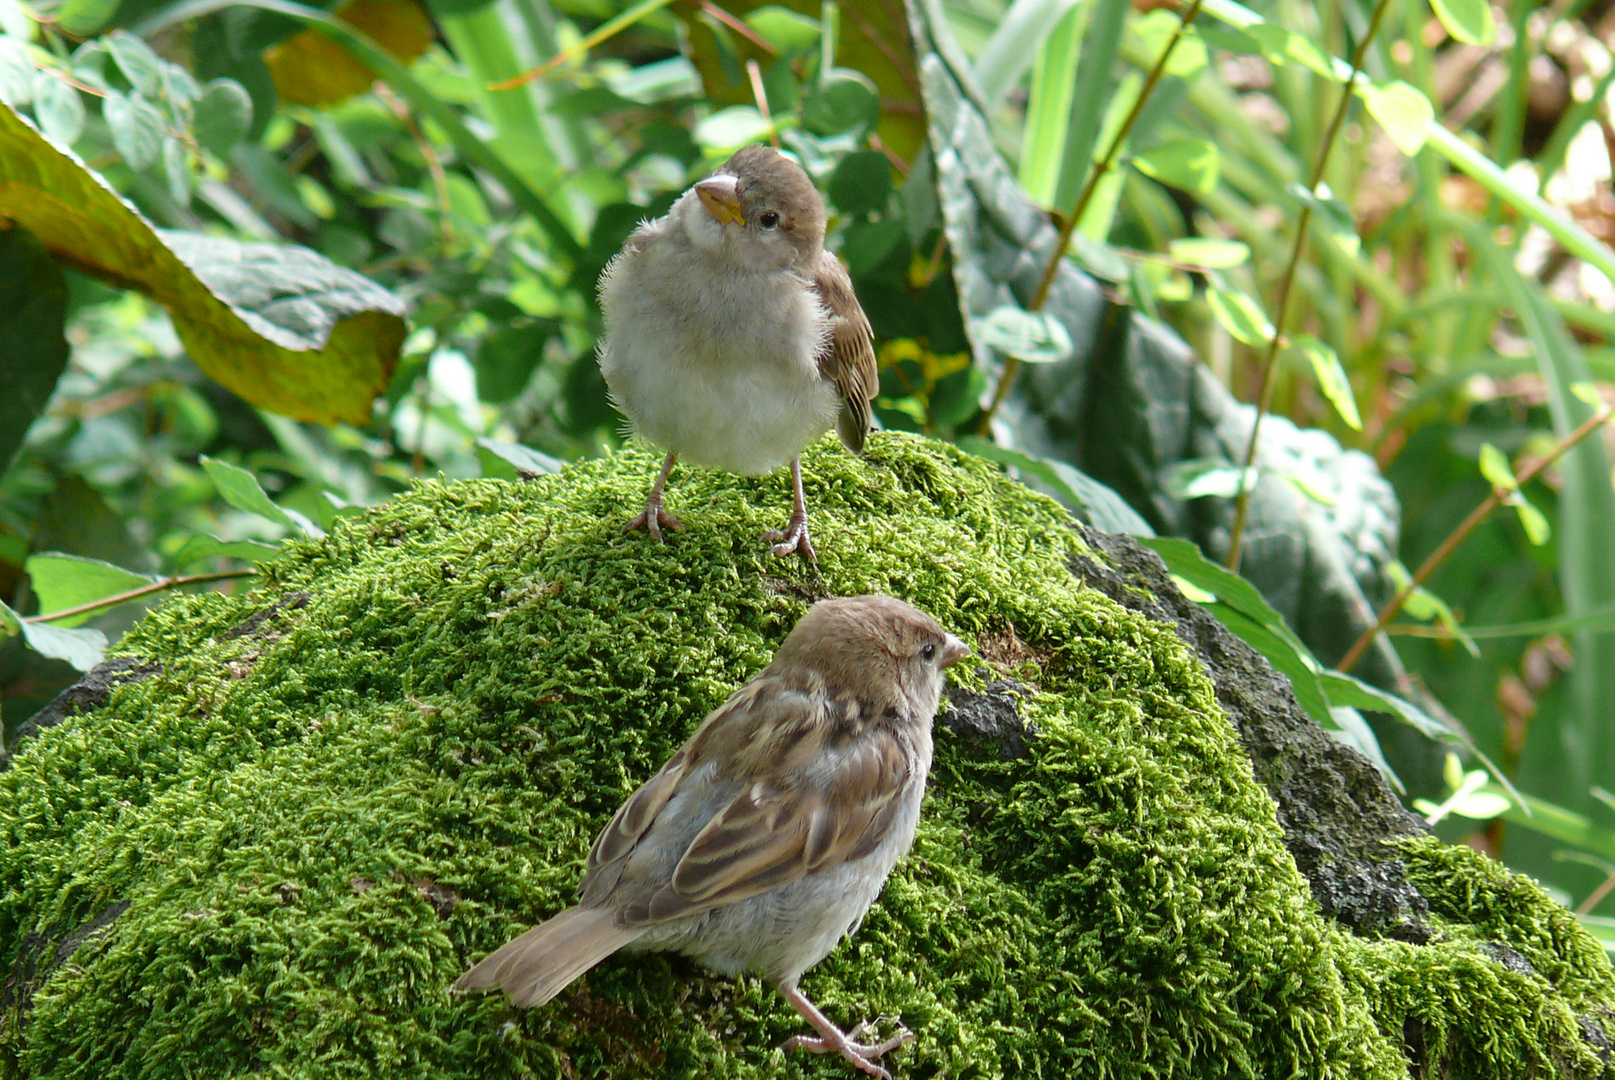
1264 396
739 27
760 92
1101 169
1430 565
434 164
173 582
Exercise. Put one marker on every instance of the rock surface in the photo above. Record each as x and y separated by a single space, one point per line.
274 849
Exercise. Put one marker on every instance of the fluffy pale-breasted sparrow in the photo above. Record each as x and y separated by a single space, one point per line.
733 338
765 839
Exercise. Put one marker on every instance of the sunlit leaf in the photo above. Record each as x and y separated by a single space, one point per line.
1495 468
1190 164
1209 253
67 581
1468 21
1324 364
1241 316
241 489
1402 110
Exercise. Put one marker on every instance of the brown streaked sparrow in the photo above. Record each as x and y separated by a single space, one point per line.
733 338
765 839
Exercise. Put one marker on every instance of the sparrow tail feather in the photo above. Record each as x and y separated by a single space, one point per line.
541 963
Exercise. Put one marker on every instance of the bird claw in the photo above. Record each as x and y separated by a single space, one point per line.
793 539
653 519
860 1055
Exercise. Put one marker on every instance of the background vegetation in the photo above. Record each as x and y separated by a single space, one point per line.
1381 228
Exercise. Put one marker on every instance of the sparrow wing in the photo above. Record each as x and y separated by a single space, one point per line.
849 359
790 821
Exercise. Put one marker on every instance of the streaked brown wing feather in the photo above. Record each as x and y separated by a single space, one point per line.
849 361
782 828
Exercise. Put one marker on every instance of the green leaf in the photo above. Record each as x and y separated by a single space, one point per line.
1156 28
283 327
507 356
861 183
1241 316
83 17
1014 45
16 72
197 548
1495 468
83 648
1084 496
1189 164
1532 521
844 101
1209 253
1285 653
1324 364
65 581
137 128
1468 21
1199 478
142 67
1402 110
241 489
1048 108
1281 46
176 170
509 460
1034 337
223 116
729 129
788 31
1424 605
1331 215
59 108
34 298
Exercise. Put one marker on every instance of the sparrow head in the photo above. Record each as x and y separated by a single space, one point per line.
881 650
768 214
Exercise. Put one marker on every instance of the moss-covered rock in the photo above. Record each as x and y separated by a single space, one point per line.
274 840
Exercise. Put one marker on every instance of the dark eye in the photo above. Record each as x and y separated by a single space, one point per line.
768 219
929 652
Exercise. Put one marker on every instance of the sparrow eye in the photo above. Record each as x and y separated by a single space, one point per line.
768 219
929 652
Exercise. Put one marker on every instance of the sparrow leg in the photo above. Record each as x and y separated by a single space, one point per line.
794 537
654 518
832 1040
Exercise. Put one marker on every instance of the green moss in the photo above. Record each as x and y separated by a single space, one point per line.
447 697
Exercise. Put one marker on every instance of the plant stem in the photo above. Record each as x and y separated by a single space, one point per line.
1101 169
1264 397
1461 533
173 582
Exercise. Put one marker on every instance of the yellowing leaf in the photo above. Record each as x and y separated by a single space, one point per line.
1495 468
1209 252
311 69
1330 376
283 327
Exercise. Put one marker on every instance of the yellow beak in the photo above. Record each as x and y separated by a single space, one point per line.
717 194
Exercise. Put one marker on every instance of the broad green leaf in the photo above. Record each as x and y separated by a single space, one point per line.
15 22
861 183
142 67
1048 107
34 299
1402 110
729 129
1030 336
1331 378
310 68
59 108
223 115
844 101
1193 591
197 548
1208 253
1184 559
1468 21
507 356
176 170
1241 316
509 460
66 581
1495 468
1156 28
1286 655
16 72
784 29
179 87
1095 503
1190 164
241 489
281 326
137 128
81 17
83 647
1282 46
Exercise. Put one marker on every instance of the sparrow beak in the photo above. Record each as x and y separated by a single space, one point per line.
953 651
718 195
